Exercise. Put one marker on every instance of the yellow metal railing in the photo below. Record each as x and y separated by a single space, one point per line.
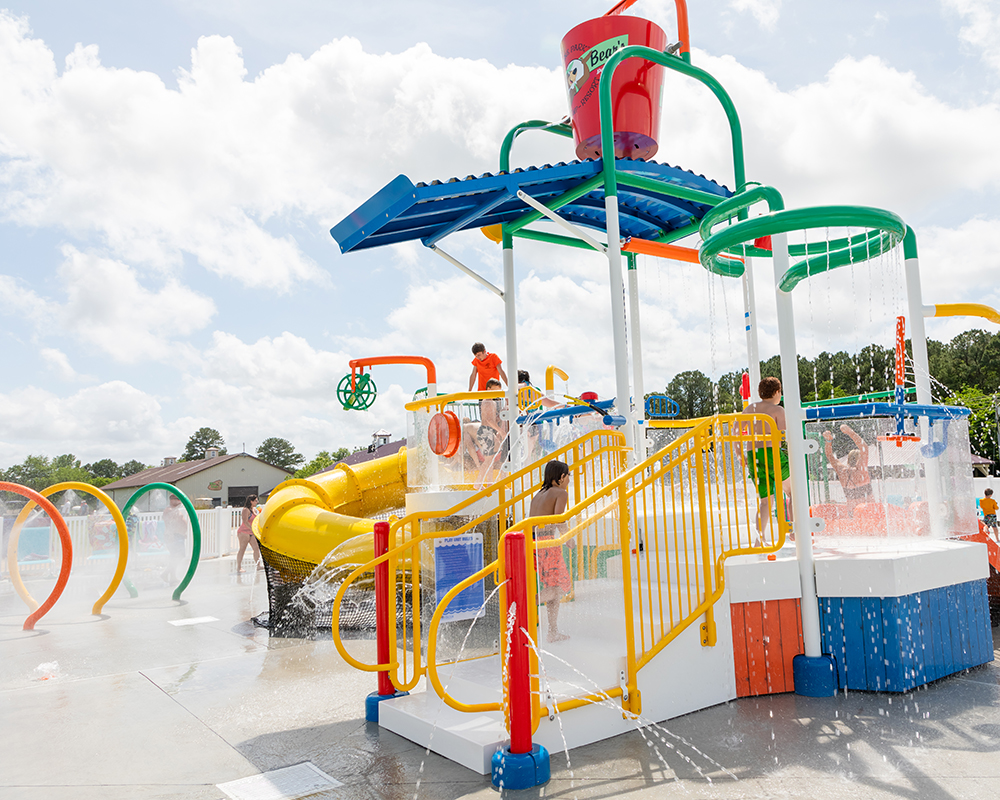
672 520
594 460
666 525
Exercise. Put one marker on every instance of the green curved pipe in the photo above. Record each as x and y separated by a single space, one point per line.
889 230
729 208
678 65
195 529
910 243
881 242
558 128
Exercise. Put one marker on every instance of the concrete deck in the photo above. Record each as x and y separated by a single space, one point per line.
141 708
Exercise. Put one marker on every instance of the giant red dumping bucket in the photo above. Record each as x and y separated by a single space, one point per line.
635 89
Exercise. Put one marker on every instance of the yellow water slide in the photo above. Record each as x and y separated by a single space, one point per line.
305 519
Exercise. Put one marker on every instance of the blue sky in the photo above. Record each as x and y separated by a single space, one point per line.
169 172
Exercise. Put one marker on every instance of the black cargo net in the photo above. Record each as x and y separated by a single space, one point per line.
301 595
300 599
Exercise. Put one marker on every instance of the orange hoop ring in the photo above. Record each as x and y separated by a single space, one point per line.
444 434
67 549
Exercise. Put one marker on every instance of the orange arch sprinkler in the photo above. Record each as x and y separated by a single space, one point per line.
67 549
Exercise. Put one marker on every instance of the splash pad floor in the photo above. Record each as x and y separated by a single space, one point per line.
142 708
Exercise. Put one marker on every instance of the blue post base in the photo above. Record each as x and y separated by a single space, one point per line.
520 770
372 701
815 676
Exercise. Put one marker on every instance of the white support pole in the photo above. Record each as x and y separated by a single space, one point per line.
638 417
569 227
750 315
922 377
624 394
510 327
794 417
918 333
471 273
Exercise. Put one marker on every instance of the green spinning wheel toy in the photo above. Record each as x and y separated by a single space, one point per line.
358 397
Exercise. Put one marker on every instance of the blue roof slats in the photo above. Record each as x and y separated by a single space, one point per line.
403 211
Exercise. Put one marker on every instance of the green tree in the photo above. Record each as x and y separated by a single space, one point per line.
694 393
105 468
34 472
279 453
971 359
132 467
67 467
323 460
200 441
983 420
40 472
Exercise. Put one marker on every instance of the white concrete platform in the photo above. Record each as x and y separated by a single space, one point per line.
896 568
682 678
755 578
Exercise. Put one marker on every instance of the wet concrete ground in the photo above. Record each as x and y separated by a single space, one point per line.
141 708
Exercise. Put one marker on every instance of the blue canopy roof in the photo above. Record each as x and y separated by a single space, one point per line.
403 211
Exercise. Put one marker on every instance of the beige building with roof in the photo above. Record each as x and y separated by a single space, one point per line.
227 480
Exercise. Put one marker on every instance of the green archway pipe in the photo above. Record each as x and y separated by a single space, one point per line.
888 230
558 128
678 65
195 529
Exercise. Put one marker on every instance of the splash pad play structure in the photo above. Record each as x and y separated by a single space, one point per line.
676 601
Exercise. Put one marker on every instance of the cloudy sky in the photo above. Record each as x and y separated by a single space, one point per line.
169 172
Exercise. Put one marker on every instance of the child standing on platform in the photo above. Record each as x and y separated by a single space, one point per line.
550 566
486 366
989 507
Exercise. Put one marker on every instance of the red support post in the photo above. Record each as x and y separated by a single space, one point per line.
519 680
382 599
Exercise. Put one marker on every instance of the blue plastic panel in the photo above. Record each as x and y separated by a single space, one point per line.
898 643
403 211
855 410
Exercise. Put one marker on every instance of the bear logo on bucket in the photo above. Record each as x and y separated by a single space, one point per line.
591 62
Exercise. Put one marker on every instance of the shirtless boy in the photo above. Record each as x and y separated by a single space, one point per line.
760 458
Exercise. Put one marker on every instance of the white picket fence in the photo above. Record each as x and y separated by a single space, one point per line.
93 539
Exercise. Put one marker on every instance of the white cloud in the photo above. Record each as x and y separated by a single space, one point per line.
58 362
766 12
107 307
867 134
981 29
112 420
202 169
286 366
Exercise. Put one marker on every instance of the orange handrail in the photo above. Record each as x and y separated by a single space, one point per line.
664 250
361 363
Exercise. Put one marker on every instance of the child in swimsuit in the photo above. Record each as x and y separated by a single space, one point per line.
550 565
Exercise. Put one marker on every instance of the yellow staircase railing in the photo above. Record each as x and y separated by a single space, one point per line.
662 530
668 524
594 460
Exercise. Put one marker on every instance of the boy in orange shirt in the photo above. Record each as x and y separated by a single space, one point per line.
989 507
486 366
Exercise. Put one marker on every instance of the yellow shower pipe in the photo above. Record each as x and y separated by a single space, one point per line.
963 310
